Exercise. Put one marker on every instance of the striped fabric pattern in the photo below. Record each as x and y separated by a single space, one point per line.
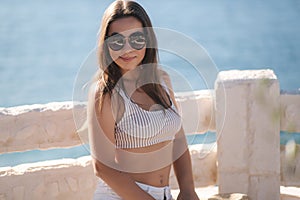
141 128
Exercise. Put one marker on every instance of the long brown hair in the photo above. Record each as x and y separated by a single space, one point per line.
111 72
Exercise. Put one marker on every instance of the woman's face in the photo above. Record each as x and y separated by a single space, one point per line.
127 58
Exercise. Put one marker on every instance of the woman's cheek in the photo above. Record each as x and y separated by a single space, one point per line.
114 55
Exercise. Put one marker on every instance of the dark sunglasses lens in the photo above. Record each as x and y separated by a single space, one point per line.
116 42
137 40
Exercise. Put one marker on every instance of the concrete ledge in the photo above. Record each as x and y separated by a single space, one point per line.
59 179
74 178
40 126
62 177
54 125
204 166
197 110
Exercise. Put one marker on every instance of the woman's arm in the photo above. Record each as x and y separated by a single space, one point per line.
183 168
101 135
182 164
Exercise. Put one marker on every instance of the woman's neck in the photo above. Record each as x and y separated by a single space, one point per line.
131 76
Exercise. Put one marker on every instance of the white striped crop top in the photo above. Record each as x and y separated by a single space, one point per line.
141 128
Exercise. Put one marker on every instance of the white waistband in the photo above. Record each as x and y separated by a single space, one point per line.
156 191
103 191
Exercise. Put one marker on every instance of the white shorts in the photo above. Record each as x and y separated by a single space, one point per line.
104 192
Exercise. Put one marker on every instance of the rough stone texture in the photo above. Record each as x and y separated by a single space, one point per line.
197 110
264 128
233 196
74 178
55 124
248 126
290 112
37 127
290 167
264 187
204 167
232 136
59 179
232 182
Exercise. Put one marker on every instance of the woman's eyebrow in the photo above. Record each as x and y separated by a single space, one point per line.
114 33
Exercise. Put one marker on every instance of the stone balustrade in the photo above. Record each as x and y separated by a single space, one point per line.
246 109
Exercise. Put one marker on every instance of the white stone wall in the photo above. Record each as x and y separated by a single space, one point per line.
44 126
290 154
248 127
60 179
74 178
290 112
197 110
37 127
52 126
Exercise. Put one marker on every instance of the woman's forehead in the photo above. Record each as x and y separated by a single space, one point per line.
125 26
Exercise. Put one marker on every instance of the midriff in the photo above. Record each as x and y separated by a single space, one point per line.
149 165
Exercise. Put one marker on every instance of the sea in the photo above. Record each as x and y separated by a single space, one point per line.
44 45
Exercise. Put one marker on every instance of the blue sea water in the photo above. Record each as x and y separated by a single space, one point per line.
43 43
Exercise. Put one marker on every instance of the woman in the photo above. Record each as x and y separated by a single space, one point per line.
134 127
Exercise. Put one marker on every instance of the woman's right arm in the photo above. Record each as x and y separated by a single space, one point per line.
101 135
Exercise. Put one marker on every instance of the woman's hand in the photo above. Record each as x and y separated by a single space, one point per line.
188 196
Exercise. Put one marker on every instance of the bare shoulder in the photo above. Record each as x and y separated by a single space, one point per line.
101 114
95 98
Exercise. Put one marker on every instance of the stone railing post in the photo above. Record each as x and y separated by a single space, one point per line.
248 129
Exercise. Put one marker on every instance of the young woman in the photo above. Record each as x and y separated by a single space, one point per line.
134 126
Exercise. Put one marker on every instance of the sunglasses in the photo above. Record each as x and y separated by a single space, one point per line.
136 40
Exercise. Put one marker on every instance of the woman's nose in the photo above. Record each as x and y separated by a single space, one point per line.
127 48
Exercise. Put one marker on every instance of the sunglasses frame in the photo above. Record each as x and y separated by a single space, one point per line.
125 39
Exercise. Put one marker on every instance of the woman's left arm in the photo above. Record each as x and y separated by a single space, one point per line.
182 164
183 168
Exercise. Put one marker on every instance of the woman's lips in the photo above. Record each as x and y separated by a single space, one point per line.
127 59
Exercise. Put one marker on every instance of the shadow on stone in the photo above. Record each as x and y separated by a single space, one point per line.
234 196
